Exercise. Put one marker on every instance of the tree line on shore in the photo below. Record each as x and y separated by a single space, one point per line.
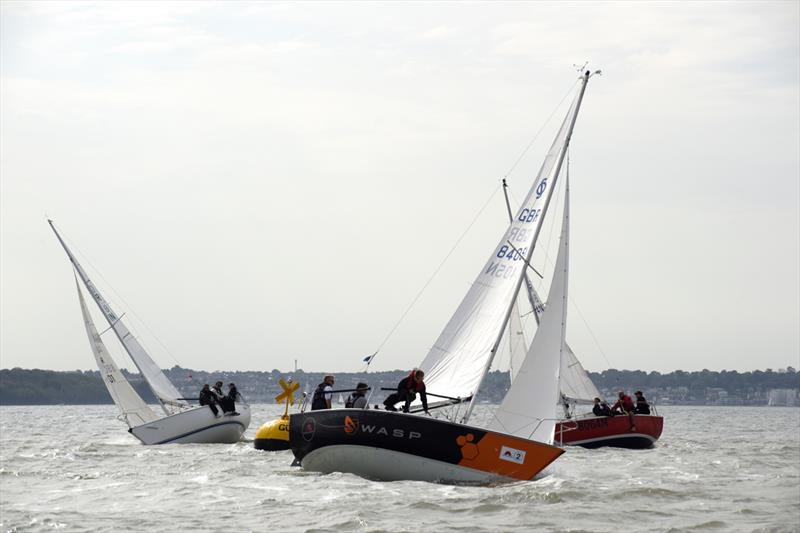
47 387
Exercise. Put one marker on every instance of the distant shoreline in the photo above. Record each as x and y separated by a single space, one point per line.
50 387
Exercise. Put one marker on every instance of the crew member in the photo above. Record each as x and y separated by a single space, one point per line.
625 406
601 408
358 399
642 407
221 398
229 402
323 394
207 398
407 391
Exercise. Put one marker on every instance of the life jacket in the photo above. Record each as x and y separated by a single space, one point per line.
349 403
411 385
318 400
627 403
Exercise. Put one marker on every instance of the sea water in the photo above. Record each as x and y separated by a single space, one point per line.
75 468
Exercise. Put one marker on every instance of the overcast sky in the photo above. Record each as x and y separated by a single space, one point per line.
264 182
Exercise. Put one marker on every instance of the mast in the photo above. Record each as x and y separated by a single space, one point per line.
122 332
529 254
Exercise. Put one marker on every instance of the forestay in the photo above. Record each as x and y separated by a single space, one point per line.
529 407
164 390
458 360
134 410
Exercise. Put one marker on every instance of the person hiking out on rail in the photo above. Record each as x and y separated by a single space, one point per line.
407 391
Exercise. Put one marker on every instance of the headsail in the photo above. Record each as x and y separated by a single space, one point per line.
164 390
529 408
574 381
134 410
460 357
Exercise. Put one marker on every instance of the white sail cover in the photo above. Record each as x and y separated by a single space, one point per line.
134 410
529 408
457 362
164 390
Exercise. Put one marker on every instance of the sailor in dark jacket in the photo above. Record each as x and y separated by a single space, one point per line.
642 407
323 394
229 402
601 408
407 391
208 398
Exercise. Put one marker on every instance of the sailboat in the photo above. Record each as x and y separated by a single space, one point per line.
390 446
532 380
180 422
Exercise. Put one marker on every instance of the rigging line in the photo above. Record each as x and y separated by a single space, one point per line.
591 333
525 151
121 299
435 272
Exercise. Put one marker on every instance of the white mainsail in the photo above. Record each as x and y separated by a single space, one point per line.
134 410
529 407
460 357
164 390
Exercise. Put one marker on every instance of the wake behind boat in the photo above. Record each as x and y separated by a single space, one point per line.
518 443
181 422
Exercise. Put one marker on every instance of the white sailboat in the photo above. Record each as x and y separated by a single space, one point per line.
180 422
387 445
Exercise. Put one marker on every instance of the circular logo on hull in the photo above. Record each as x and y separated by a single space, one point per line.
309 427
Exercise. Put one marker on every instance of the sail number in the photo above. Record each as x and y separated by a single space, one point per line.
529 215
508 252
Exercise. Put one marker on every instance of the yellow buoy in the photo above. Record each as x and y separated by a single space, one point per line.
274 436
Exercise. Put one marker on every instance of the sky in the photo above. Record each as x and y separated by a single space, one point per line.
254 183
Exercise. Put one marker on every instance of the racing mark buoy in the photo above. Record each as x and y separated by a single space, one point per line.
274 436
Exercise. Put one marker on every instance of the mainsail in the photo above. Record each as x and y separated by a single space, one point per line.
134 410
164 390
529 407
460 357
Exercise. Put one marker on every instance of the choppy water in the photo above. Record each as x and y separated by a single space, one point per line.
76 469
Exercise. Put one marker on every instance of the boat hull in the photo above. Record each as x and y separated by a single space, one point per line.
390 446
198 425
599 431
